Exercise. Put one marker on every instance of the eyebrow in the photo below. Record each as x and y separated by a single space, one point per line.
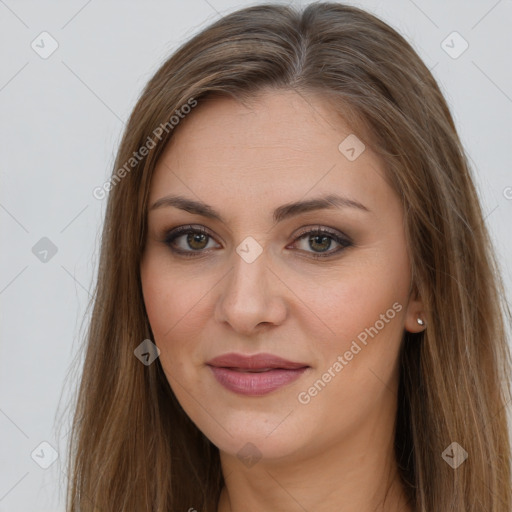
281 213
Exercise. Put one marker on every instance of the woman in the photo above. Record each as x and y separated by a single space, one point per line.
297 304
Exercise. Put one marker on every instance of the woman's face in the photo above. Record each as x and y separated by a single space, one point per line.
291 249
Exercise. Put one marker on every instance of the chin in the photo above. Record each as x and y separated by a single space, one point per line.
263 435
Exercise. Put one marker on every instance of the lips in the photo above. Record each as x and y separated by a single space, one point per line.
254 375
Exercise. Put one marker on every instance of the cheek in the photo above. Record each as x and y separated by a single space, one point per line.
363 306
176 309
356 297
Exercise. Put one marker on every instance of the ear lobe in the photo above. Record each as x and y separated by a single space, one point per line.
415 316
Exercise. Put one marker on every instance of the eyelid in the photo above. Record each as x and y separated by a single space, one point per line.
170 235
319 228
185 228
339 237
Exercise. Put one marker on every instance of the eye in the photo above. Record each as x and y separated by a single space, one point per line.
321 240
188 240
193 241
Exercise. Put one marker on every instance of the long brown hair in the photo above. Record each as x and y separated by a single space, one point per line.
132 446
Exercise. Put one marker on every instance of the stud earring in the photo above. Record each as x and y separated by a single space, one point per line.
420 321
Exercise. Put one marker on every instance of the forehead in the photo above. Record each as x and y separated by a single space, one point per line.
281 145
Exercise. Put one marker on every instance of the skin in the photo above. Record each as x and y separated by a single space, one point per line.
336 451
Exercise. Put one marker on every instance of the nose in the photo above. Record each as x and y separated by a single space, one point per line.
251 297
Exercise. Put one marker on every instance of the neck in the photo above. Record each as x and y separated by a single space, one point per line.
356 475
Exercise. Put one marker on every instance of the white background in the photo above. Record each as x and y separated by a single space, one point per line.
61 119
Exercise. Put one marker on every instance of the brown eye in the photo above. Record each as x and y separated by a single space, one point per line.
197 241
320 243
189 240
317 242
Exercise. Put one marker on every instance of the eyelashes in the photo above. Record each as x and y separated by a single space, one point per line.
194 235
318 236
196 241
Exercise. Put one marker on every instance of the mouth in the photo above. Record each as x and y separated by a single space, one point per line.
255 375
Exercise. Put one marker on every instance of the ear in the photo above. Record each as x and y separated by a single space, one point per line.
415 320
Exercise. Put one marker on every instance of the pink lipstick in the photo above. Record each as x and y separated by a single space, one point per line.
254 375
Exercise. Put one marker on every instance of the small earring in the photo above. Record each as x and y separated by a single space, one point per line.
420 321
